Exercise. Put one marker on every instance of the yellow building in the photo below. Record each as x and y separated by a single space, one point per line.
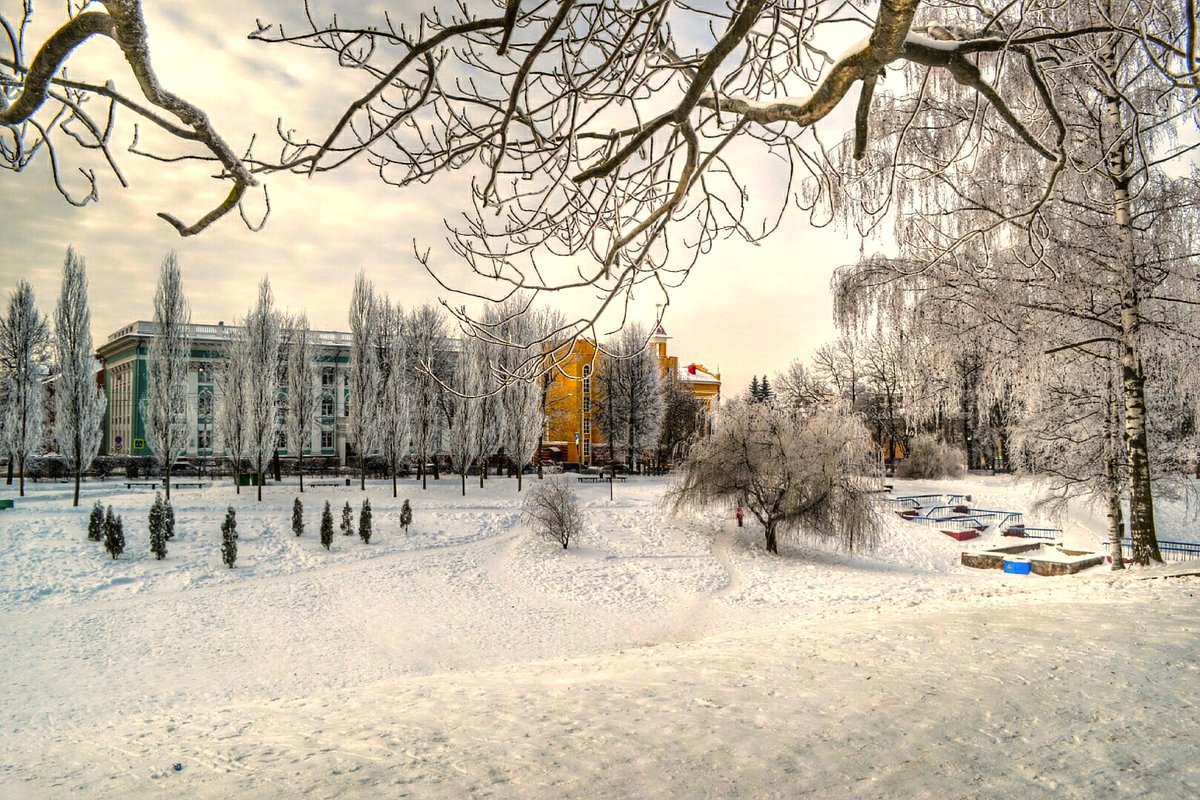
572 434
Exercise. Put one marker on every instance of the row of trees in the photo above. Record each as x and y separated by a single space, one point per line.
33 355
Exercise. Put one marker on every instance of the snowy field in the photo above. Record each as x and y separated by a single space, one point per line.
660 656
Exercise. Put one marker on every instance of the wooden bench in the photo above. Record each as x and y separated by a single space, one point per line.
187 484
589 478
327 483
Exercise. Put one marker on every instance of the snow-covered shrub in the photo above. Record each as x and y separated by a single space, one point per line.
168 520
298 517
405 516
327 526
158 538
114 534
552 510
229 537
929 458
804 475
96 523
347 526
364 522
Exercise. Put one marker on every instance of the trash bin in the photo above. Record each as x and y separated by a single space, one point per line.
1017 566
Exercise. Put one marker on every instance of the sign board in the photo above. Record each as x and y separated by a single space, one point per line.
139 444
118 438
117 446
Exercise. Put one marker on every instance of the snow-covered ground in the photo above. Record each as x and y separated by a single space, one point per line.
660 656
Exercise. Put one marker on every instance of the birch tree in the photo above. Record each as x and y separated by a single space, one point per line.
264 335
364 372
1107 243
166 408
24 338
78 402
303 391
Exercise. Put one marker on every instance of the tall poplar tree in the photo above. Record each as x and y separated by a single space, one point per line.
166 412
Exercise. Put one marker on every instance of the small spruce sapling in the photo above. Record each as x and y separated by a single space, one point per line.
405 516
327 526
298 517
347 525
96 523
158 532
168 520
364 522
229 538
114 534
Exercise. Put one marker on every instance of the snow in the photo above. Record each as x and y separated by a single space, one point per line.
664 656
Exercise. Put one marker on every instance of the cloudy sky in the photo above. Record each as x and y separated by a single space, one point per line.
745 310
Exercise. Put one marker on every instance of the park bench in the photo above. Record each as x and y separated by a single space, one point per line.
589 478
131 484
338 482
189 484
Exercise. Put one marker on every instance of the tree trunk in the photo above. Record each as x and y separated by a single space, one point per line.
362 472
772 541
167 482
300 469
464 481
258 478
1112 478
21 475
78 479
1133 379
395 469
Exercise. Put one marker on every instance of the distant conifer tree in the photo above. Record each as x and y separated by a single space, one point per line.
96 523
298 517
765 392
754 389
229 537
327 526
347 525
114 534
405 516
158 533
364 522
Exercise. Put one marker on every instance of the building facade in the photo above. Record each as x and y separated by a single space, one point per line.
124 367
572 434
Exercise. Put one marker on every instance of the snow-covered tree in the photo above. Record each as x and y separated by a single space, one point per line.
552 510
229 537
298 517
114 534
406 516
78 401
327 526
157 527
233 383
264 336
364 521
469 384
811 477
364 372
629 394
682 422
347 525
24 336
517 366
395 398
96 523
303 391
166 411
428 361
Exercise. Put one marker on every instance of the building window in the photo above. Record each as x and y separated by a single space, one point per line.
204 405
587 448
326 440
204 439
204 373
587 379
587 405
587 426
327 376
326 405
281 439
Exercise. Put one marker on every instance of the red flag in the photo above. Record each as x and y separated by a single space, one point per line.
691 369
